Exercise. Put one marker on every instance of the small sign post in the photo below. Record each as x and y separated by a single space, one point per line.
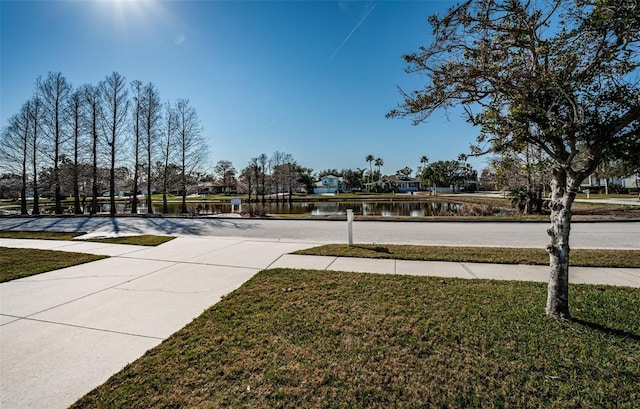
235 202
350 225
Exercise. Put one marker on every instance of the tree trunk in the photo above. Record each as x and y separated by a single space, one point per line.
25 160
94 168
563 192
112 178
149 198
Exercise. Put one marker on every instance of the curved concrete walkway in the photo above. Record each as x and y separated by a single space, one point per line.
65 332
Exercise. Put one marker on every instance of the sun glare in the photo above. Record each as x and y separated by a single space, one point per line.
126 15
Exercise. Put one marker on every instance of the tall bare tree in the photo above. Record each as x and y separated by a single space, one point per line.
54 91
137 114
14 149
34 118
191 147
560 75
114 120
93 115
75 106
152 109
169 141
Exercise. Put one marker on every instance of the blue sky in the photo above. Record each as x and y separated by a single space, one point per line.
310 78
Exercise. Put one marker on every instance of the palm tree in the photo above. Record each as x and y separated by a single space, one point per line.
423 160
379 164
370 159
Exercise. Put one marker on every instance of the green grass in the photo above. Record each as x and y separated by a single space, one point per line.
311 339
500 255
38 235
18 263
140 240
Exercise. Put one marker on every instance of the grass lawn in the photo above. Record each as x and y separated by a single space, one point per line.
17 263
141 240
500 255
311 339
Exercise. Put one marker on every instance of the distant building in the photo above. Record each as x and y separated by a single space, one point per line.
328 184
404 184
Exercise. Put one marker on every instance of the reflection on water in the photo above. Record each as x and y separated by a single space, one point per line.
388 208
413 209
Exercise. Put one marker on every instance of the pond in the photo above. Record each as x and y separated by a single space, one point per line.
386 208
412 209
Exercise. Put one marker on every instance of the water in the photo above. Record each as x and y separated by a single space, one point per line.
412 209
386 208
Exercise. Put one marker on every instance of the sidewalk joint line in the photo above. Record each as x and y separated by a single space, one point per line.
468 270
332 261
93 329
97 292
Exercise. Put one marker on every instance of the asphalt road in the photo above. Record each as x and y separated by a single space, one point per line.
606 235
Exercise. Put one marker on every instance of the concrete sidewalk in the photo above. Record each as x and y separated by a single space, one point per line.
65 332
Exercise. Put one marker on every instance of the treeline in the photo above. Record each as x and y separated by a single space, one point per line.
95 132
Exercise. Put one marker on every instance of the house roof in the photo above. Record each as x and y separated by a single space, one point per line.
402 178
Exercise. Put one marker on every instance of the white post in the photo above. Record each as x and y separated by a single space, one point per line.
350 225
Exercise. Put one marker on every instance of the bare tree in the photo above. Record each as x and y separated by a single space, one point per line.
75 107
225 170
168 145
14 149
114 117
34 117
250 175
152 117
54 91
191 147
93 113
137 113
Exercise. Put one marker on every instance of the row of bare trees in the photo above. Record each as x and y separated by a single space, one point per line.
109 125
278 175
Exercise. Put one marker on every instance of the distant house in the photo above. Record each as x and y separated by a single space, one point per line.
593 180
404 184
218 187
328 184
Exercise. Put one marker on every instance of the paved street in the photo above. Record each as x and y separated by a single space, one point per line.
607 235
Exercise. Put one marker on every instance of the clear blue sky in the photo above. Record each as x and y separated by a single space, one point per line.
310 78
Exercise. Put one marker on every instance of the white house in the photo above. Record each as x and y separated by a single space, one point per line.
404 184
328 184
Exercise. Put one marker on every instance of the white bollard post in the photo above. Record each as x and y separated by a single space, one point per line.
350 225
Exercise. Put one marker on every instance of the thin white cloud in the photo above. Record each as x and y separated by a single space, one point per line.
368 11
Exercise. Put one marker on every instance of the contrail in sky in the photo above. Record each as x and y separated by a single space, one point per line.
352 31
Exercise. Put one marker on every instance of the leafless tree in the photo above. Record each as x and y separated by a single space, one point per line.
191 147
137 114
93 114
34 118
75 105
115 101
54 91
168 144
14 149
152 110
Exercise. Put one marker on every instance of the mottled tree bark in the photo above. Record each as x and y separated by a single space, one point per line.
563 192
